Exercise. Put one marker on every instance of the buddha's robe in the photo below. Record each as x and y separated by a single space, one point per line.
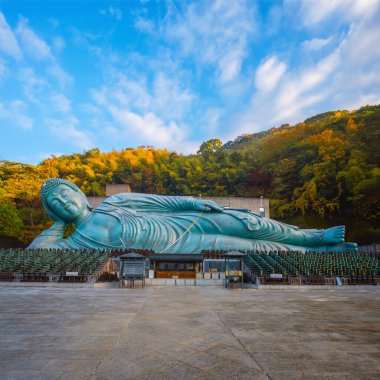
170 224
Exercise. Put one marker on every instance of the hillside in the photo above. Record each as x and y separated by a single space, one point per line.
323 171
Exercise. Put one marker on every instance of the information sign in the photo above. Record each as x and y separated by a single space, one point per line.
71 273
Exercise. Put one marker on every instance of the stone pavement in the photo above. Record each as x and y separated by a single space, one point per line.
172 332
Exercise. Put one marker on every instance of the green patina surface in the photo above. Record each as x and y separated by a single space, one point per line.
170 224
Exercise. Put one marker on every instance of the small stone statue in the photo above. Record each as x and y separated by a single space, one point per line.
170 224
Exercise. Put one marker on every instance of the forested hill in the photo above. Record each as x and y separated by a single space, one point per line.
322 171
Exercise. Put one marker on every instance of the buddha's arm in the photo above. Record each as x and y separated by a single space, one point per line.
150 202
49 237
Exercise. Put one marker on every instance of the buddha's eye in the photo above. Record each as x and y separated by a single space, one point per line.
64 192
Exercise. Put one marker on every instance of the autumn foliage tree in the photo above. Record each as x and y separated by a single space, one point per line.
327 166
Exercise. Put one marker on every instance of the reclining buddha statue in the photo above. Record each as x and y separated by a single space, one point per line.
170 224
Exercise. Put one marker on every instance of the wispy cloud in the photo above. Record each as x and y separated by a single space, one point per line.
58 44
148 113
313 11
15 114
269 73
163 95
316 43
113 12
39 81
216 33
67 129
35 47
32 84
60 103
144 25
173 74
149 128
340 70
8 41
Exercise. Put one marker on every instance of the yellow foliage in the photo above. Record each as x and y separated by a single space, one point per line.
330 147
351 125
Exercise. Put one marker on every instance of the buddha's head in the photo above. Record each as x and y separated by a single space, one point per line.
63 200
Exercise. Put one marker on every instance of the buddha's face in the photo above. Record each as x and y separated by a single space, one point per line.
66 203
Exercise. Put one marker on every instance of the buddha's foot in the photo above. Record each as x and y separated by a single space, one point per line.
334 235
350 246
342 247
345 247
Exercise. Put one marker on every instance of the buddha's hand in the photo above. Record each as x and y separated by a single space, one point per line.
205 205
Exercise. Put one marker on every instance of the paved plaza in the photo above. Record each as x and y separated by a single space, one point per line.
173 332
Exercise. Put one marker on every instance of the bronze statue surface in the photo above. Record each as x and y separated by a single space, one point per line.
170 224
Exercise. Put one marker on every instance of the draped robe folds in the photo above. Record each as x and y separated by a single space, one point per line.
141 221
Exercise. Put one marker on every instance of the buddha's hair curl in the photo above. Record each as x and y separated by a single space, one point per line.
52 183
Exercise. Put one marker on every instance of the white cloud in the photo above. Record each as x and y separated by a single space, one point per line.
316 43
199 66
112 12
298 89
310 77
59 75
230 65
41 89
32 44
99 96
14 114
60 103
45 156
362 43
164 96
146 113
67 130
211 121
357 82
148 128
3 69
269 73
215 33
316 11
8 42
39 77
91 109
58 44
144 25
32 84
274 20
344 76
115 12
301 88
170 100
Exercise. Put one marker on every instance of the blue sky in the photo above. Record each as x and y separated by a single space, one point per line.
75 75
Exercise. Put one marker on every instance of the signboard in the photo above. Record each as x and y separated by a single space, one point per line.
175 277
71 273
275 275
234 273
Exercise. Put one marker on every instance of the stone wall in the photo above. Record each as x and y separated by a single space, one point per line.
116 189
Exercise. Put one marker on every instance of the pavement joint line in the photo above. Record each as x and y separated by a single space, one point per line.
316 336
117 338
181 361
240 343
